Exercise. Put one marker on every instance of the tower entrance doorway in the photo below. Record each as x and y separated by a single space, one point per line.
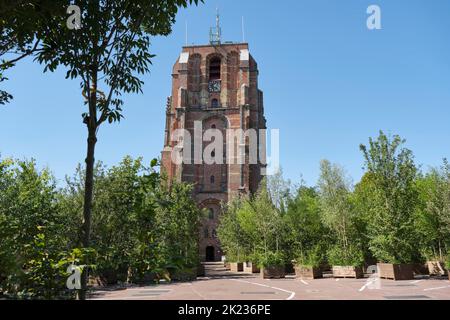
210 254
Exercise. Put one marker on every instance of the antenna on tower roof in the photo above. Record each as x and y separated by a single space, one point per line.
243 30
187 38
215 33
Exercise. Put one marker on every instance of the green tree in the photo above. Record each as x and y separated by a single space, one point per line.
109 55
362 206
392 201
22 25
306 234
32 232
279 190
433 212
338 214
261 222
233 241
141 228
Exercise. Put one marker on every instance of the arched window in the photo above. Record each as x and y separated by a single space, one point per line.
214 234
213 179
214 69
211 214
213 154
214 103
206 233
213 126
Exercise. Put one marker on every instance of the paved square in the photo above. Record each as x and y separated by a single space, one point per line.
223 285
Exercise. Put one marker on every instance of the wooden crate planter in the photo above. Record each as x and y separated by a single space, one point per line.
95 282
289 268
436 268
275 272
308 273
250 267
395 271
420 269
347 272
236 267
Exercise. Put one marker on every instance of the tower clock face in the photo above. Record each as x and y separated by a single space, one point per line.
214 86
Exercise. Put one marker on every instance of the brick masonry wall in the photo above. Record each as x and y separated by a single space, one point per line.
240 106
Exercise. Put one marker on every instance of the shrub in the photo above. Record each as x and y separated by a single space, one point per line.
352 256
447 263
271 259
312 258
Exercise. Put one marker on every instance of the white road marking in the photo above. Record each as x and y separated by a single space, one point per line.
414 282
367 284
304 282
337 280
292 294
438 288
198 293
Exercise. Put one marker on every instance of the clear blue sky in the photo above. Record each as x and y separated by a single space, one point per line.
329 84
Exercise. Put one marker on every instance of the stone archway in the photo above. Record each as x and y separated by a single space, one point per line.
209 245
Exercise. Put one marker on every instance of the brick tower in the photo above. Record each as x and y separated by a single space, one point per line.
215 86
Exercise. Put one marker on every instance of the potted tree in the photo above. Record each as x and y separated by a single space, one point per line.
346 262
251 266
307 265
272 265
391 204
436 267
236 266
235 263
396 271
341 217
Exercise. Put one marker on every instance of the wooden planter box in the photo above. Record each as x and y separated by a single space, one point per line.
275 272
236 267
289 268
436 268
250 267
227 266
347 272
395 271
95 282
421 269
308 273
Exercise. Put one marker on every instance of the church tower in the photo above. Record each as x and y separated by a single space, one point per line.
215 87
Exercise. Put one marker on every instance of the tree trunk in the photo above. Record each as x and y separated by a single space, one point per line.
87 211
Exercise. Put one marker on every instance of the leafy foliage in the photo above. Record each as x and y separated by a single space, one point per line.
392 201
339 215
433 212
306 235
30 228
251 228
271 259
22 25
312 258
143 230
230 233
